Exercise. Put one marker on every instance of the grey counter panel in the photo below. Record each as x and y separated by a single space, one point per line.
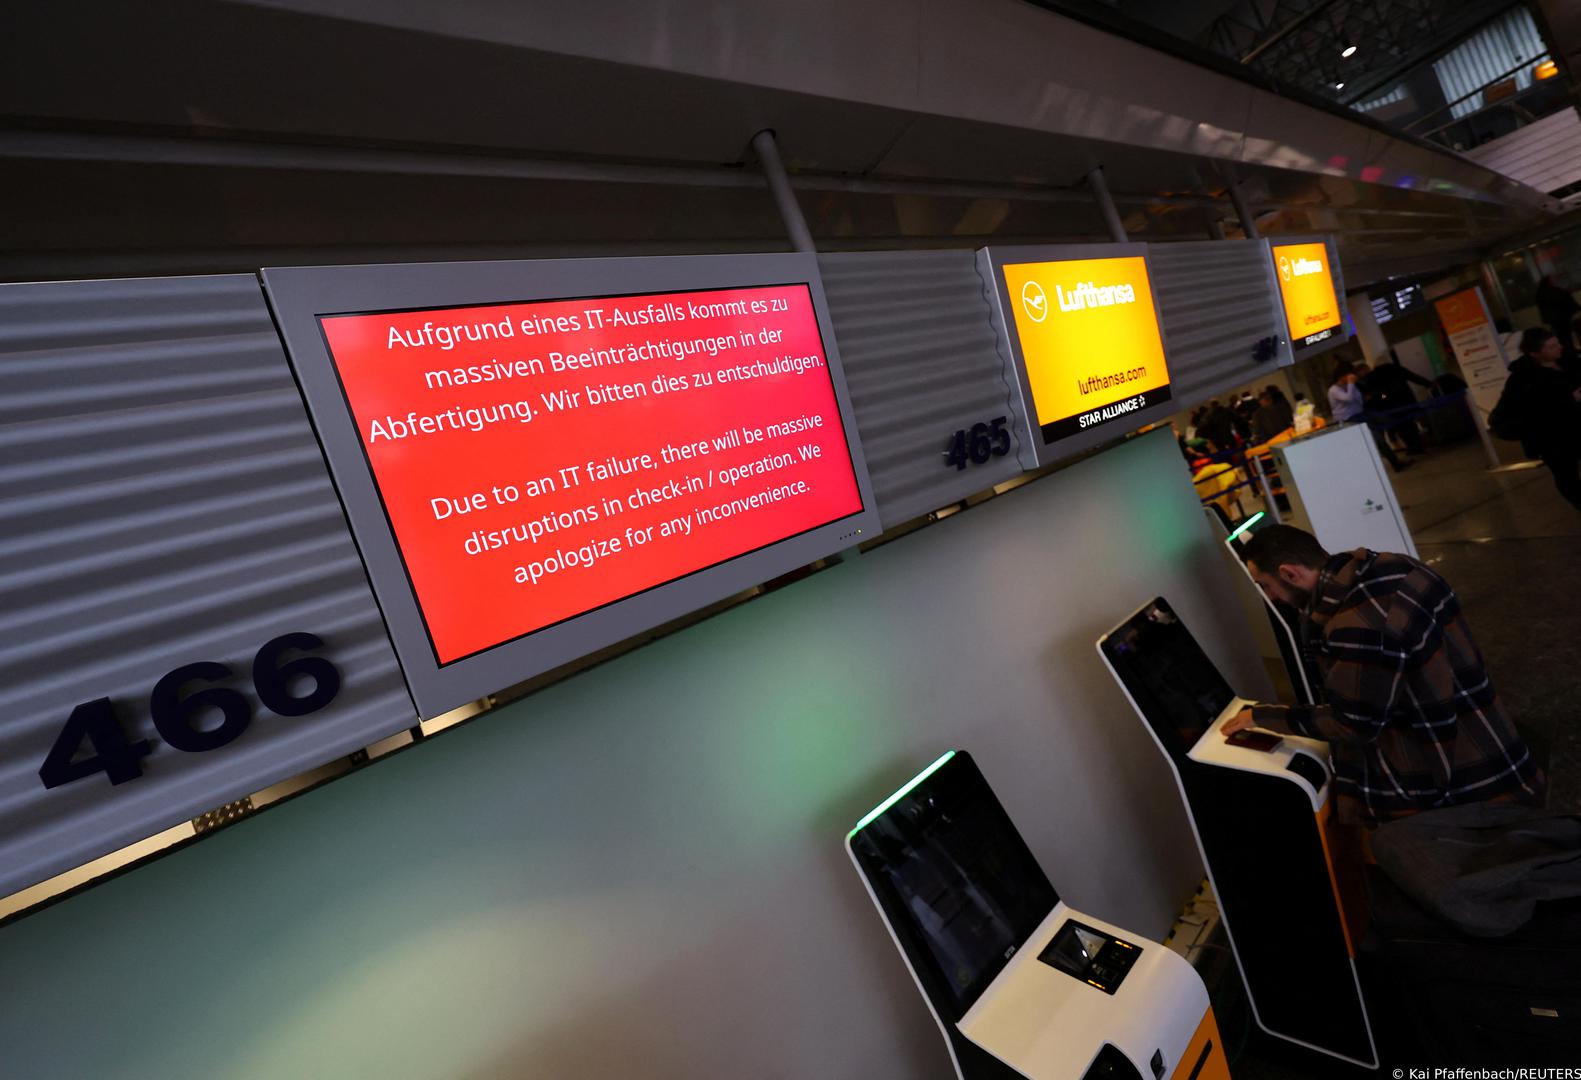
1216 300
163 501
922 362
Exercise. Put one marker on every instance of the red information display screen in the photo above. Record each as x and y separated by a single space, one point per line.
543 459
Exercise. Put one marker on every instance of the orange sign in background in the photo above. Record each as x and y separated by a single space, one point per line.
1089 337
1461 311
1307 288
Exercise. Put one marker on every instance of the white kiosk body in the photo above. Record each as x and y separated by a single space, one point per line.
1340 492
1020 984
1262 813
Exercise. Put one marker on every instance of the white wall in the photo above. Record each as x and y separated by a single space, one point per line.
1374 346
638 872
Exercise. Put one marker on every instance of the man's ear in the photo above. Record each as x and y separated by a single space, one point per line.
1290 574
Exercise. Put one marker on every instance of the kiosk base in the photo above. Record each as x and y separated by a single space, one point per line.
1205 1058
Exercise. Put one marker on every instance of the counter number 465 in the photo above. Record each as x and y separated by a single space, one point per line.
978 444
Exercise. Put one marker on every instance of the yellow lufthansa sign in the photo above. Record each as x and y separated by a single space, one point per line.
1307 288
1089 340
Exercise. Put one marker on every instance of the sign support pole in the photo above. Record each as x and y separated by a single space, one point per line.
1487 440
1244 212
768 152
1111 216
1268 491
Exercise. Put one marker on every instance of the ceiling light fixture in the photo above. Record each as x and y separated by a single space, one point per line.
1350 50
1339 86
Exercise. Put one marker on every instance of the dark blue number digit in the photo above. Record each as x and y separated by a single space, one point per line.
956 453
272 679
96 722
175 717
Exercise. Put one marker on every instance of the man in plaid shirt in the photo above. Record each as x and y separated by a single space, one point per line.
1410 716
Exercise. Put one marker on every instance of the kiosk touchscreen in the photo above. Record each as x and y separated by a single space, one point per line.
1261 810
1019 983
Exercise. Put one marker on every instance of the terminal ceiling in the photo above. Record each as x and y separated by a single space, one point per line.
1301 43
200 135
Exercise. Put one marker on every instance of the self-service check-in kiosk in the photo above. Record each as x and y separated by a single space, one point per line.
1262 811
1010 971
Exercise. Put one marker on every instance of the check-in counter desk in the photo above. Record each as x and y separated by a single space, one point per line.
1286 874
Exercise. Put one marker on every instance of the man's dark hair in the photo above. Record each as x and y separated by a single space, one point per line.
1342 369
1282 545
1535 338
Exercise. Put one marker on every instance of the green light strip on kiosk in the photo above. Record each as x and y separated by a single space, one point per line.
1248 523
901 794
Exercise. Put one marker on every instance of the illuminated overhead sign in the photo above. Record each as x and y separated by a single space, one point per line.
1085 336
1396 302
1306 285
538 478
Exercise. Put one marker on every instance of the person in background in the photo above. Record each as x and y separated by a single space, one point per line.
1218 482
1273 416
1218 426
1388 386
1541 404
1558 308
1409 713
1344 396
1346 403
1245 409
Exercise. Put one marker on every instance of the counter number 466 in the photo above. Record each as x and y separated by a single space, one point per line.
275 679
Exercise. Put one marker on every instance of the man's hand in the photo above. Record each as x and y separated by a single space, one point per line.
1239 722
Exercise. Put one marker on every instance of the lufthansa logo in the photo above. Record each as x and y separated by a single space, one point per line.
1035 301
1284 267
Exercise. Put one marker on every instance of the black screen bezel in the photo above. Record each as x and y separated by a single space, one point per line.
957 783
1172 735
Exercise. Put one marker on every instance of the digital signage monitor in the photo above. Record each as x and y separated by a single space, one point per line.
1310 288
539 459
1084 334
1395 302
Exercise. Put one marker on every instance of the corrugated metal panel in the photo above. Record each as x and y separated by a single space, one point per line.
1508 41
1216 300
163 501
922 362
1545 154
1337 272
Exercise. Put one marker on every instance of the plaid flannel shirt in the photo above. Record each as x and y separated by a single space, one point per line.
1411 718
